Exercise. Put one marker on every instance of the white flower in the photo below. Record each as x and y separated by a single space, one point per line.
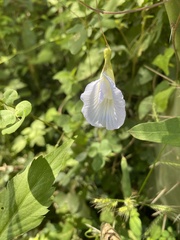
104 105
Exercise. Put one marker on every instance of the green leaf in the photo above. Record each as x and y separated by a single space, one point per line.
24 202
73 202
14 127
98 162
145 107
167 132
78 39
44 56
144 76
125 181
162 61
106 216
67 80
155 232
6 117
10 96
161 99
19 144
35 133
109 23
4 59
135 223
93 150
28 35
90 65
77 8
140 2
104 147
60 153
9 117
67 231
23 109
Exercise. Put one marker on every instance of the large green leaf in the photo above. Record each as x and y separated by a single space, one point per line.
24 202
167 132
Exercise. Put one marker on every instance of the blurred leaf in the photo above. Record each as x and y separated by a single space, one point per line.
145 107
73 202
10 96
26 3
67 79
93 150
28 35
113 4
161 99
144 45
104 147
161 87
106 216
109 23
144 76
19 144
6 117
23 108
167 132
98 162
35 133
90 65
140 2
135 224
67 231
14 127
79 9
78 39
155 232
162 61
125 181
4 59
45 55
51 114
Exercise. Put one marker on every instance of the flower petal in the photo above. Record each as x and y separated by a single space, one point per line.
104 105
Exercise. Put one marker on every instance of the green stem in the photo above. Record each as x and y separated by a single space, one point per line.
151 170
173 12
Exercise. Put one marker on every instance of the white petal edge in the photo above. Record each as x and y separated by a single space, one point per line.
104 105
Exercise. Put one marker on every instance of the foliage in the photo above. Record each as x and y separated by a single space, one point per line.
27 196
12 115
49 51
161 132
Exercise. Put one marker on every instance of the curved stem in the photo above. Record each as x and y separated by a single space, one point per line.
122 12
151 170
173 12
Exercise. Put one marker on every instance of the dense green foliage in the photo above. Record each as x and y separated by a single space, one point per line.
49 51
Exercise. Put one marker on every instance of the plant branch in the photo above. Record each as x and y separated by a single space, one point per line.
122 12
